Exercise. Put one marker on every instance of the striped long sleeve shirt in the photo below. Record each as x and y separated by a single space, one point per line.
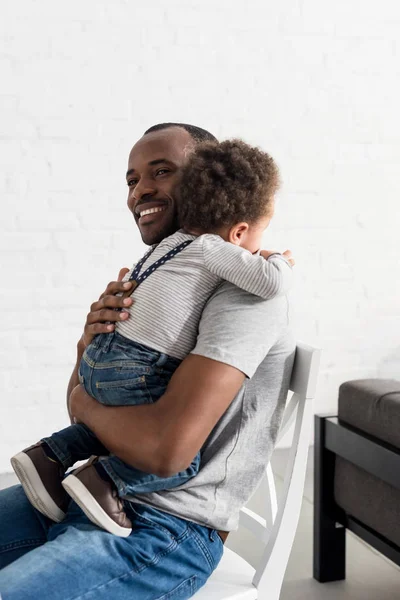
167 306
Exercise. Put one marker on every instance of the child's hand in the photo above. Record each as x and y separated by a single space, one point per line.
267 253
287 254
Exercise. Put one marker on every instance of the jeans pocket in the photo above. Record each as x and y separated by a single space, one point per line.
156 387
125 392
183 591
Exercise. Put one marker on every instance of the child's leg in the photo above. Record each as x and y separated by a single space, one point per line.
41 478
98 486
74 443
41 468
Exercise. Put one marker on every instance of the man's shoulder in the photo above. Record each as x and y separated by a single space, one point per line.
234 299
240 329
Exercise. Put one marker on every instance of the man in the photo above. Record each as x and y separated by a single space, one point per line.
226 399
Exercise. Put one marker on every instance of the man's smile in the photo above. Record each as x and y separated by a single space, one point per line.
149 207
148 212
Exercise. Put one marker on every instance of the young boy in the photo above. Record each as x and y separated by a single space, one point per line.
226 198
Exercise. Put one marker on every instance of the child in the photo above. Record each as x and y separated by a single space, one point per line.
226 198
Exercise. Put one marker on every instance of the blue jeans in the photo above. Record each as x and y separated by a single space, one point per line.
119 372
164 558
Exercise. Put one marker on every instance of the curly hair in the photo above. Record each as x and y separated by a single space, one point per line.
225 183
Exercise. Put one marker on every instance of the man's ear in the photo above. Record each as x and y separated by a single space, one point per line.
237 233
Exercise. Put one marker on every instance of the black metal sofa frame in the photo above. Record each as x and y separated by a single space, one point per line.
335 438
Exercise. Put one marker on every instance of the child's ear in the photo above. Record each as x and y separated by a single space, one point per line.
237 233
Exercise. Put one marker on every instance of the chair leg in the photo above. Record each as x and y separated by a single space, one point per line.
329 535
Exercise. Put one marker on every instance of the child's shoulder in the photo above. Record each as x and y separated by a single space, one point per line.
207 240
175 239
211 238
181 236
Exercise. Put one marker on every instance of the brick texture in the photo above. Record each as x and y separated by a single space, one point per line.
314 84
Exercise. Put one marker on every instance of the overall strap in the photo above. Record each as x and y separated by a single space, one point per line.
137 278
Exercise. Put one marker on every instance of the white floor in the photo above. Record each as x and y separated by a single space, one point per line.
370 576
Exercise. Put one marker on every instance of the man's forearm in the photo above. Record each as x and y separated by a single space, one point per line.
133 433
74 380
164 437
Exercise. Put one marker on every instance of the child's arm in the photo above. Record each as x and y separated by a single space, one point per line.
259 275
287 255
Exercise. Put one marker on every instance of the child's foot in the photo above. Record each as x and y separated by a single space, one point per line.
98 499
41 479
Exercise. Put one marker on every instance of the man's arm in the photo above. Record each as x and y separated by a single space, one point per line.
74 380
164 437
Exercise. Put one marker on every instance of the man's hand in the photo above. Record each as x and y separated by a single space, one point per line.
287 254
102 311
78 403
101 319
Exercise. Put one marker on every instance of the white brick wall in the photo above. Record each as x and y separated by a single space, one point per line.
313 82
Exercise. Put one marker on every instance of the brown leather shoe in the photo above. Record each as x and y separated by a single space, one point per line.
41 479
98 499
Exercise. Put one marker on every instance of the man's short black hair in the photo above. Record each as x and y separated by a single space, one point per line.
197 133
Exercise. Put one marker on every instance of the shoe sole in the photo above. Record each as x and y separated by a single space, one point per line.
36 492
92 509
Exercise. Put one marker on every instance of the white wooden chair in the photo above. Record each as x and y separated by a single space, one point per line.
234 578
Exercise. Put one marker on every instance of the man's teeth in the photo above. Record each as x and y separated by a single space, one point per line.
150 211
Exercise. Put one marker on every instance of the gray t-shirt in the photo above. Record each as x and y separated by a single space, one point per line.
253 335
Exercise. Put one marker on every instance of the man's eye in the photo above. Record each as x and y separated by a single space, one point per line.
131 182
162 171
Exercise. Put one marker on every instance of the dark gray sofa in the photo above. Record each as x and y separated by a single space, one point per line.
357 474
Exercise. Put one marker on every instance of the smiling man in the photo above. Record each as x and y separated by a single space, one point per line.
225 400
153 170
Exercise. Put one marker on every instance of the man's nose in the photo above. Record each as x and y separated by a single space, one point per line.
143 189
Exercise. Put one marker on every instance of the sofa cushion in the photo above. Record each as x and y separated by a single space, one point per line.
368 499
372 405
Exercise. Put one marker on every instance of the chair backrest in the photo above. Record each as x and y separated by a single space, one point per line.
278 529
